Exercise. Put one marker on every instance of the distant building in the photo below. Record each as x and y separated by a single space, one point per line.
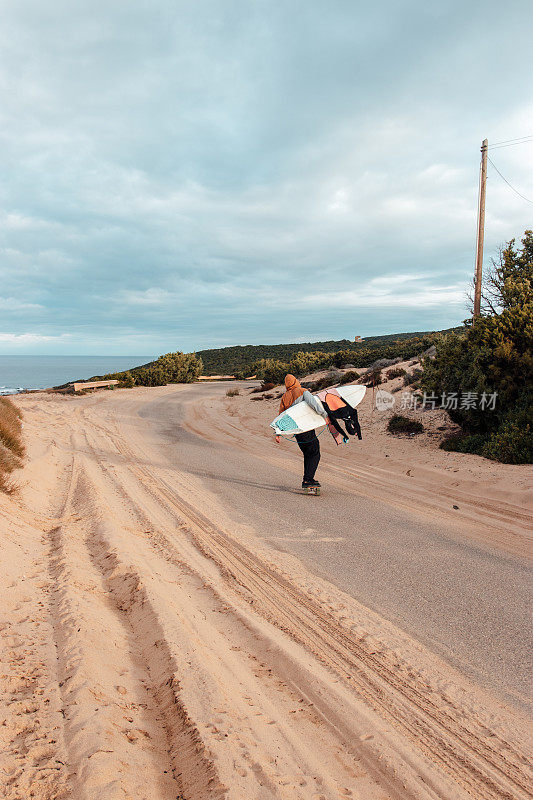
358 339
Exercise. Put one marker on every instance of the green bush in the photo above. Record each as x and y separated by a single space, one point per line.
493 361
269 370
461 443
400 424
171 368
512 442
127 381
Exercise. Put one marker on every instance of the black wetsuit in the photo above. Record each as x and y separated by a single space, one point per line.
348 416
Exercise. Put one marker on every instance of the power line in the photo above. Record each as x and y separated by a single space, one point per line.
517 139
512 142
508 184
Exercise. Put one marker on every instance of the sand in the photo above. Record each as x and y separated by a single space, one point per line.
151 650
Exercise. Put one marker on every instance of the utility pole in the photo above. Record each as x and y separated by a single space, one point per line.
480 229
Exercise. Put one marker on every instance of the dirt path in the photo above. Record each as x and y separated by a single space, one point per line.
155 650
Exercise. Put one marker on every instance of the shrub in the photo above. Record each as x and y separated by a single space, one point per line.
232 393
412 377
512 442
400 424
270 370
349 377
461 443
398 372
127 381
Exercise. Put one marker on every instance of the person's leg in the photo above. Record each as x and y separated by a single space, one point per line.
311 451
303 447
313 458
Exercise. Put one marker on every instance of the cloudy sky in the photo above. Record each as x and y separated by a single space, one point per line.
182 174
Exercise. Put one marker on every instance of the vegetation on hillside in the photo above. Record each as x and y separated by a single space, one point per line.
240 361
11 446
273 370
493 364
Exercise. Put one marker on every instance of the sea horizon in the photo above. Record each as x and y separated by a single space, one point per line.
24 372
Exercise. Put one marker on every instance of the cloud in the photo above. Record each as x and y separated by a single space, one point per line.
12 304
29 338
191 177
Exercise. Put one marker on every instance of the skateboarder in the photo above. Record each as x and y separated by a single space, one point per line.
308 441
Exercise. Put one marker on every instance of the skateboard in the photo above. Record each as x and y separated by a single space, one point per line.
315 490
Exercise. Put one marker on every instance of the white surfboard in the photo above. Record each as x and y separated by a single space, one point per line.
297 419
301 417
352 394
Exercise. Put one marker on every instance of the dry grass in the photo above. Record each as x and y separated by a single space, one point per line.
11 446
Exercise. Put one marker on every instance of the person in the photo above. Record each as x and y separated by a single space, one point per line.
307 441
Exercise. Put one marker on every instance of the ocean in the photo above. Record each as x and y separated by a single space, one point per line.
20 372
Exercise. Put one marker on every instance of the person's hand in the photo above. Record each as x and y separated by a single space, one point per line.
278 439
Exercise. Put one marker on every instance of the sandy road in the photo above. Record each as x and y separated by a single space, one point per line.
156 647
458 580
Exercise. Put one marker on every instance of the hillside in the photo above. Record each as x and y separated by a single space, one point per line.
228 360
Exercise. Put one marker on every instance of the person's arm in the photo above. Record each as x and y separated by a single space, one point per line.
315 404
355 419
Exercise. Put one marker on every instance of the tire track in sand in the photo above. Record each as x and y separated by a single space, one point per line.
485 766
126 732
